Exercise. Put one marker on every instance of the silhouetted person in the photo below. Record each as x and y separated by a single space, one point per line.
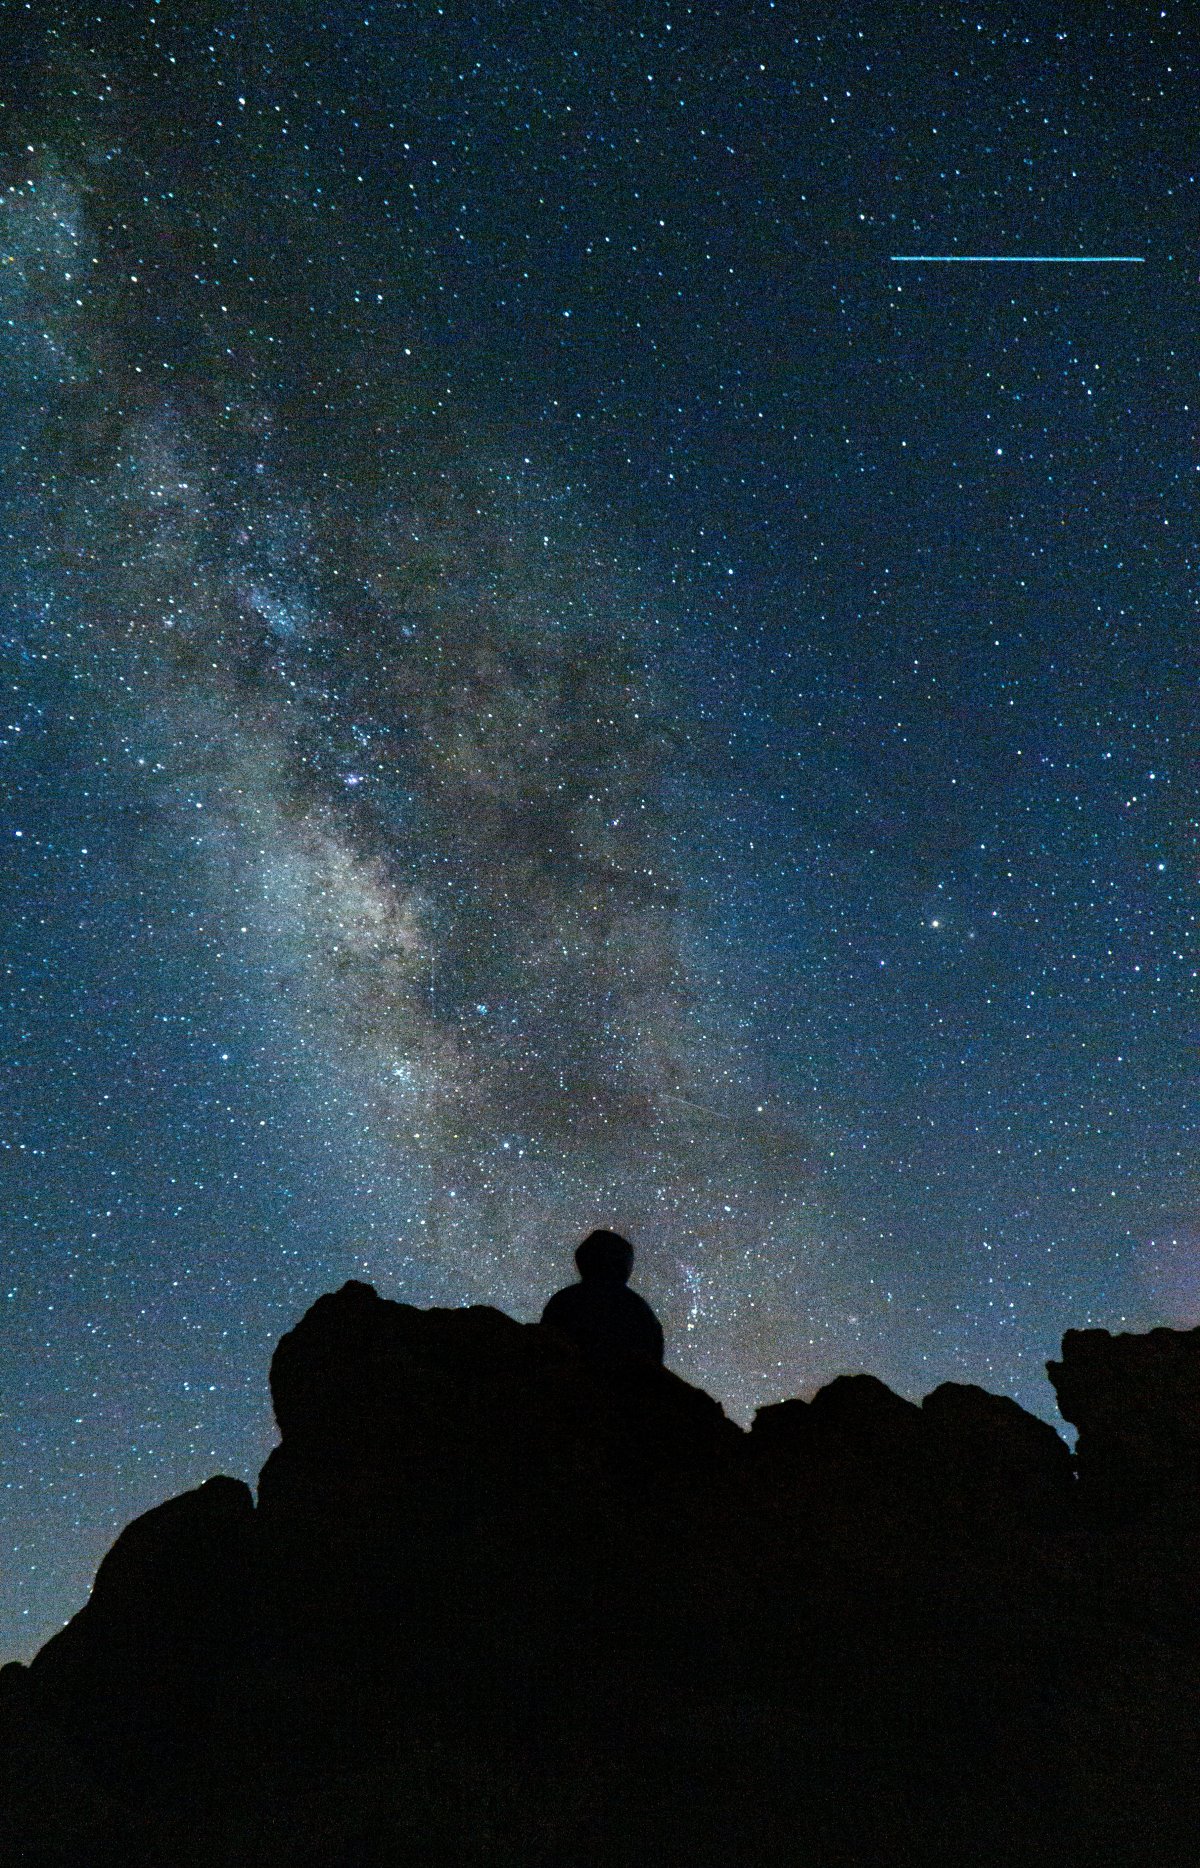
601 1313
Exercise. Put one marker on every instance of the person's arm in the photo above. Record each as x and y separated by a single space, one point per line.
660 1343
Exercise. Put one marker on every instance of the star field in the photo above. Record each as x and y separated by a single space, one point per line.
546 682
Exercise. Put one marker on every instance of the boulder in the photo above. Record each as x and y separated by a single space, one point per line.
385 1395
1136 1402
856 1426
450 1482
994 1456
165 1632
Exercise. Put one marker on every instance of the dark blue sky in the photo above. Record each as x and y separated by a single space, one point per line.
548 681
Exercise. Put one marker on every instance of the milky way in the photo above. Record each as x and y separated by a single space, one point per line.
419 714
550 684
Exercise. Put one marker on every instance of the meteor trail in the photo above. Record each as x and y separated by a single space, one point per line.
1018 259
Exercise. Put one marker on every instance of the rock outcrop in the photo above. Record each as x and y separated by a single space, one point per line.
502 1603
1136 1403
173 1593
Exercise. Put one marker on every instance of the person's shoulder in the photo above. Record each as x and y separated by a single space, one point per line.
562 1304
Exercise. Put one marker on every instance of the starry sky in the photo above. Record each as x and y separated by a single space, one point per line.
548 681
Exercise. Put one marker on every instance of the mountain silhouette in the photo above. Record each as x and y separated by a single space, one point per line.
503 1601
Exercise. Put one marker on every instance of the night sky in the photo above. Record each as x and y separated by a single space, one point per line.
548 681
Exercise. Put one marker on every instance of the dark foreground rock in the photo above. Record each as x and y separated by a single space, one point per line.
1136 1403
499 1603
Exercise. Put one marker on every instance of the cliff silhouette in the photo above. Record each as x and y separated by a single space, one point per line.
501 1602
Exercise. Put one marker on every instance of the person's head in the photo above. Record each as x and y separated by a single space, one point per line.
604 1254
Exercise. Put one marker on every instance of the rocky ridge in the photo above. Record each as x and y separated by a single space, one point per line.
499 1603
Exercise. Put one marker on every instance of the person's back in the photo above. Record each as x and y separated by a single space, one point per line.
601 1313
